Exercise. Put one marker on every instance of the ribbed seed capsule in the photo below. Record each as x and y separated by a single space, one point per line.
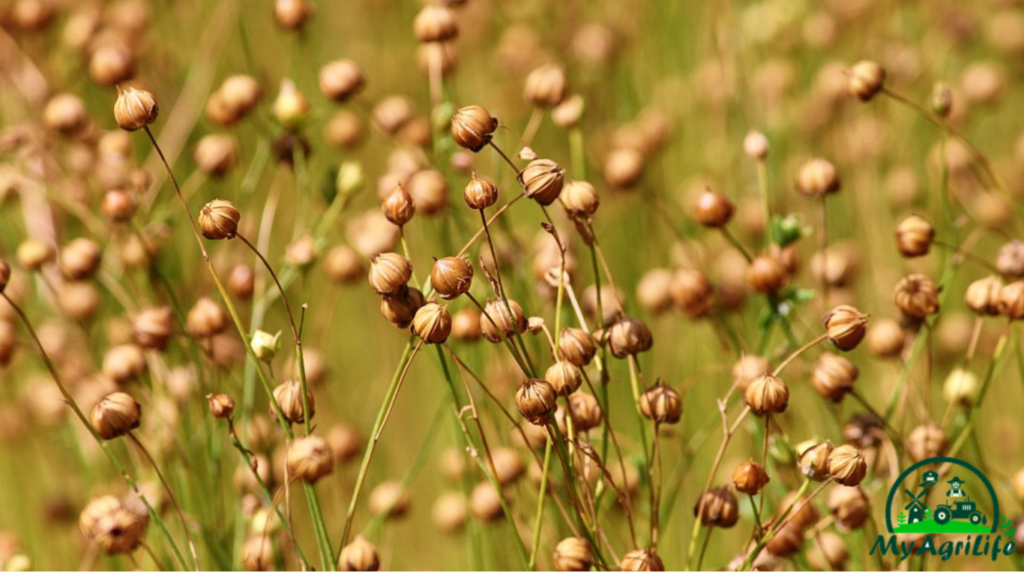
817 177
496 323
398 207
845 326
389 273
359 556
435 24
767 395
866 78
546 86
661 404
115 415
580 198
713 210
432 323
220 405
573 554
848 506
814 461
847 466
480 193
982 295
535 400
767 275
750 477
833 376
400 308
564 376
629 336
473 127
310 458
218 220
926 441
641 561
206 319
340 80
717 507
585 411
451 276
289 398
1010 259
135 109
542 181
575 345
914 236
917 296
153 327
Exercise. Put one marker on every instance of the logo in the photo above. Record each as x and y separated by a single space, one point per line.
948 500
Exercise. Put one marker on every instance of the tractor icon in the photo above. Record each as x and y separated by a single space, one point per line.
959 510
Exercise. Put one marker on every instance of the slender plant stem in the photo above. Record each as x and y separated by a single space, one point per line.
541 498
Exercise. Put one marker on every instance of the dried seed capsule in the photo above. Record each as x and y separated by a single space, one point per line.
767 275
814 461
496 323
389 273
545 86
661 404
885 338
755 145
917 296
135 109
485 503
508 465
817 177
392 113
124 363
845 326
580 199
258 553
564 376
80 259
747 369
435 23
398 207
833 376
118 205
713 210
536 400
432 323
341 79
292 14
359 556
400 308
33 254
1011 300
629 336
866 79
449 512
803 513
787 541
585 411
767 394
65 113
342 264
310 458
153 327
982 295
847 466
221 405
568 113
849 507
654 290
240 93
573 554
641 561
542 180
480 193
111 65
914 236
112 526
466 325
115 415
750 477
429 191
289 399
451 276
961 387
624 167
345 442
575 345
691 291
1010 259
215 154
717 507
473 127
218 220
926 441
206 319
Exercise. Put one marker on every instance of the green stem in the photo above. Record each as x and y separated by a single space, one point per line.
541 498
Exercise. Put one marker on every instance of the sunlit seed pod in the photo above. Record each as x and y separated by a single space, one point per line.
480 193
451 276
982 296
767 275
497 324
292 14
1010 259
747 369
845 326
345 442
119 205
575 345
153 327
429 191
917 296
400 308
786 541
290 107
914 236
750 477
215 154
866 78
392 113
65 113
221 406
643 560
767 394
111 526
849 507
124 363
206 319
218 220
564 376
573 554
755 145
569 112
508 465
485 503
398 207
803 512
80 259
449 512
717 507
814 460
33 254
310 458
343 265
135 109
691 291
926 441
847 466
546 86
240 93
653 291
344 130
79 300
111 65
432 323
817 177
961 387
115 415
661 404
437 58
389 273
258 553
624 167
713 210
542 180
341 79
466 325
289 398
359 556
833 376
580 198
242 282
435 23
536 400
628 336
585 411
390 498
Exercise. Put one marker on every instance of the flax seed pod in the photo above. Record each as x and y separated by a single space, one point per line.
717 507
982 295
473 127
713 210
573 554
1010 259
480 193
135 109
288 396
866 78
400 308
847 466
917 296
767 275
392 113
641 561
661 404
80 259
442 57
817 177
961 387
451 276
343 265
747 369
787 541
1011 300
115 415
575 345
654 290
429 191
485 503
546 86
449 512
542 180
65 113
536 400
398 207
628 337
240 93
435 23
564 376
389 273
111 65
914 236
118 205
833 376
310 458
341 79
242 282
79 300
845 326
206 319
218 220
580 199
153 327
767 394
624 167
585 411
124 363
344 130
508 465
803 512
432 323
114 528
750 477
359 556
691 291
292 14
885 338
220 405
215 154
497 324
814 460
755 145
849 507
926 441
569 112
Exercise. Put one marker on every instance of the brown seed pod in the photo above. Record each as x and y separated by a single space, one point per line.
65 113
473 127
392 113
624 167
79 300
215 154
833 376
508 465
451 276
310 458
400 308
288 396
750 477
480 193
435 23
849 507
33 254
341 79
497 324
485 503
717 507
814 460
111 65
767 394
359 556
914 236
926 441
240 93
124 363
661 404
429 191
628 336
836 265
389 273
221 405
80 259
576 345
885 338
569 112
111 525
345 442
845 326
863 430
536 400
803 512
466 325
564 376
1011 300
641 561
343 265
242 282
817 177
153 327
573 554
767 275
847 466
206 319
585 411
398 207
755 145
118 205
787 541
747 369
917 296
542 181
580 199
135 109
982 295
432 323
292 14
344 129
654 290
218 220
114 415
866 78
1010 259
258 553
449 512
713 210
546 86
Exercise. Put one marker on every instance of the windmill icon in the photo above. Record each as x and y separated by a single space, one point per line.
916 508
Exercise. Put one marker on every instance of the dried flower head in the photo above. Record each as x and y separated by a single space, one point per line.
451 276
206 319
573 554
218 220
546 86
817 177
917 296
750 477
135 109
153 327
717 507
833 376
389 273
847 466
473 127
845 326
866 78
628 336
982 295
289 398
114 415
661 404
341 79
914 236
926 441
564 376
580 199
576 345
814 460
359 556
496 323
767 394
480 193
1010 259
643 560
432 323
310 458
767 275
542 181
585 411
221 405
111 525
536 400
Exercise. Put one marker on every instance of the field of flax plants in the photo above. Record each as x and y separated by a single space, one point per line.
504 285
